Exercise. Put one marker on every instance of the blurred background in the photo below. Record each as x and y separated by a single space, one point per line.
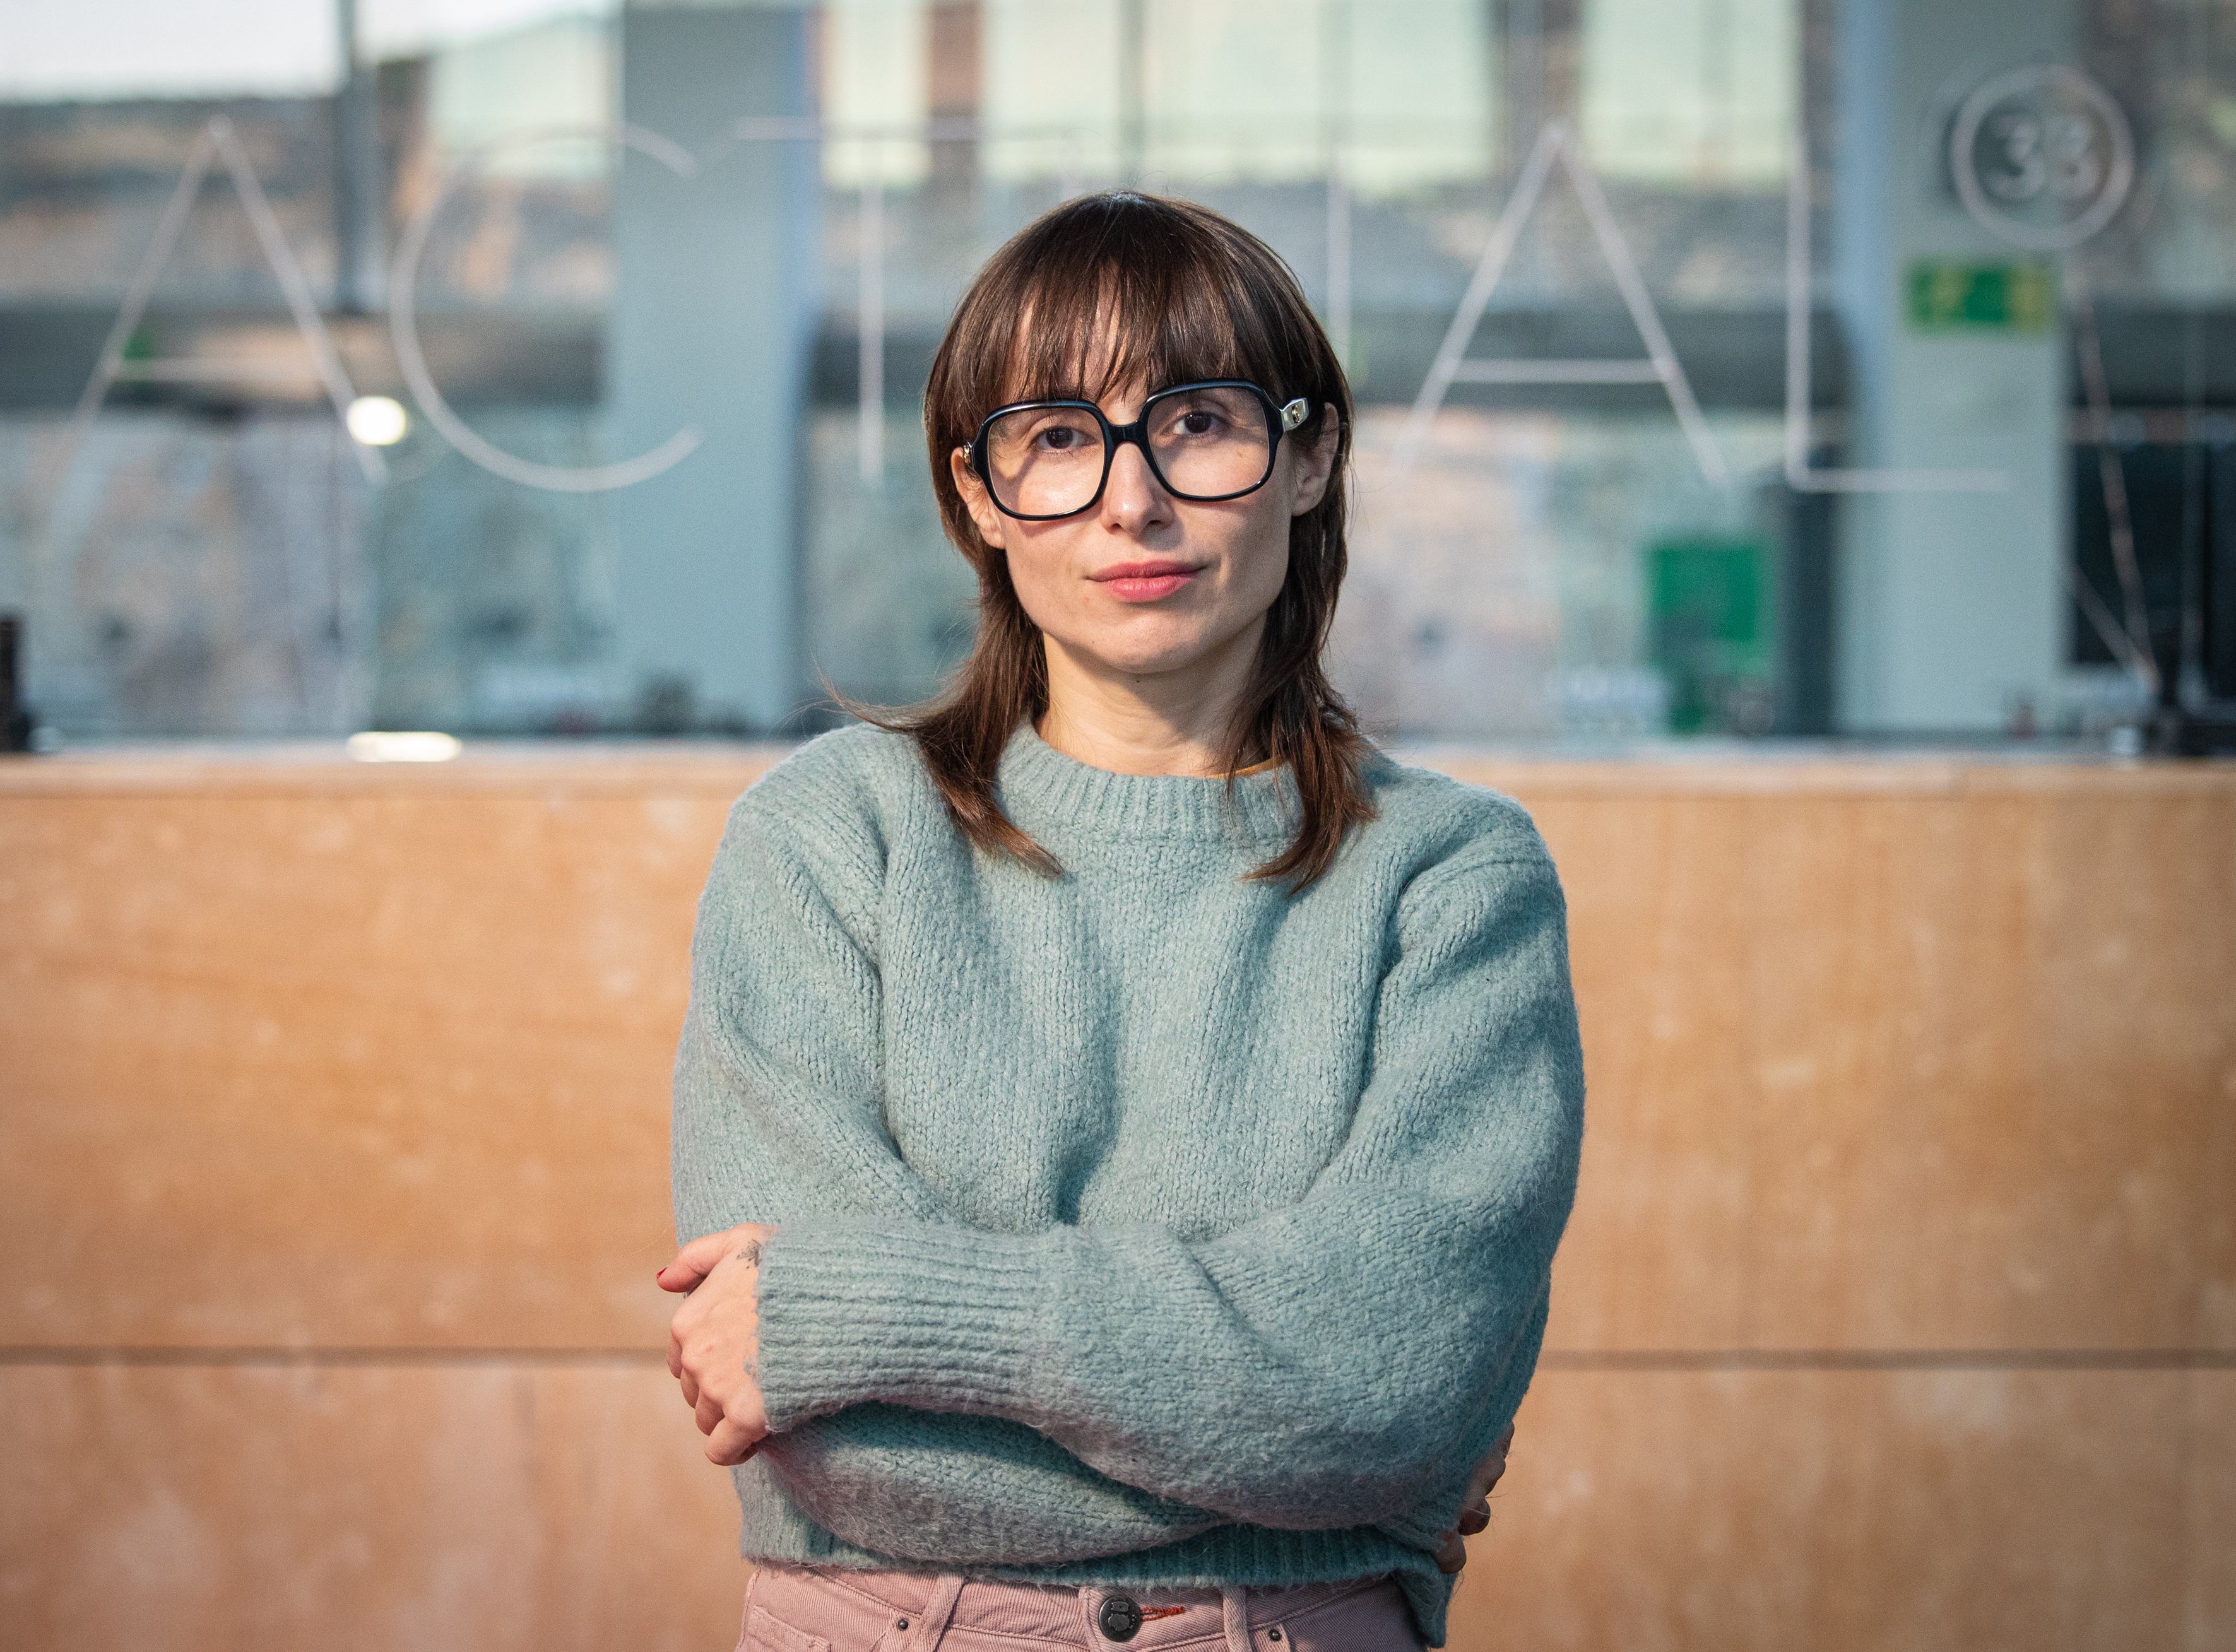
1796 456
524 366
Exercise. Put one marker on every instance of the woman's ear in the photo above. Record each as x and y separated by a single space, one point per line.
1315 463
983 516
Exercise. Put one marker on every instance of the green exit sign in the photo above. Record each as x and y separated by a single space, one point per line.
1992 298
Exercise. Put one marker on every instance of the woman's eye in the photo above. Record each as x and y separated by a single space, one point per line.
1196 422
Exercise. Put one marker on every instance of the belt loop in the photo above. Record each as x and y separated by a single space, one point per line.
746 1613
931 1619
1234 1607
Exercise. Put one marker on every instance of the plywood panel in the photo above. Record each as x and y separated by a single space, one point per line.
486 1507
2136 1012
2000 1047
343 1072
1921 1056
1658 1251
460 1509
1903 1072
539 911
1891 1066
1948 1510
2209 1605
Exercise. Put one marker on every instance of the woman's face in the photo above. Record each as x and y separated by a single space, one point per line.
1229 559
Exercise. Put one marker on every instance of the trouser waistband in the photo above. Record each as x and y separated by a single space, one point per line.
1144 1618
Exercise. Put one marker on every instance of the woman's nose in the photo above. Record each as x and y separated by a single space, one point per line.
1132 498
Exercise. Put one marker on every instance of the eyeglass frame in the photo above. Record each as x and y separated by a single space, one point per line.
1281 418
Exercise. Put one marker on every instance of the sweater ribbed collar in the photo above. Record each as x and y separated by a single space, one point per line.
1041 786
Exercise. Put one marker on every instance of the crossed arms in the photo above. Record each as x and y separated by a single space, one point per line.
940 1390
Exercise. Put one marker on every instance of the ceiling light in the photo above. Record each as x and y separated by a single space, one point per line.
377 421
402 747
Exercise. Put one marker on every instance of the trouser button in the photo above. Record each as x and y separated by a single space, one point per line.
1120 1617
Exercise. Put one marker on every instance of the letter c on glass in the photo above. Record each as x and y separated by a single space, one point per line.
403 330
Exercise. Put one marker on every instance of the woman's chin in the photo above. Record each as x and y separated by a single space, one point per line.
1164 663
1148 646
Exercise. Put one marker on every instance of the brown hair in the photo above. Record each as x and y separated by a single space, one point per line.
1192 295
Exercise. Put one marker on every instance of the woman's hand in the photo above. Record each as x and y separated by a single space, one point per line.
1476 1514
713 1342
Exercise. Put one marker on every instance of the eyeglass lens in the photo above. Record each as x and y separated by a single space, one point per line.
1046 461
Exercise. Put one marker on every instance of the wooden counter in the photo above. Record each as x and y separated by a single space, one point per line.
1898 1309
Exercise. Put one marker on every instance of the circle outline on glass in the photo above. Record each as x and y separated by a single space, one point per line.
1280 419
411 358
2025 81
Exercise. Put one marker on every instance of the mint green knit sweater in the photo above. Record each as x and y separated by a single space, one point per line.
1143 1227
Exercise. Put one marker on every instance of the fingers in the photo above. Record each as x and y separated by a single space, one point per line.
732 1442
693 1262
1476 1515
697 1259
1491 1468
1487 1474
676 1367
728 1440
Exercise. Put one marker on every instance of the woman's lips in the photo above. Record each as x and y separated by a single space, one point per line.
1146 587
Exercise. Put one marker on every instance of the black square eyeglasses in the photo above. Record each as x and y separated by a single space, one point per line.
1207 441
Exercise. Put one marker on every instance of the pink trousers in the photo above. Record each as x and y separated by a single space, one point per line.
830 1609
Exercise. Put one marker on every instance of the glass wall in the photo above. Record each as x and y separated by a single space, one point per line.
334 348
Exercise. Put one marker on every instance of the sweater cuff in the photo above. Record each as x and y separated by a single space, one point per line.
917 1314
1422 1524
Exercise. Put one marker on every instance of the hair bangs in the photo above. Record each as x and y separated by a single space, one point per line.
1142 314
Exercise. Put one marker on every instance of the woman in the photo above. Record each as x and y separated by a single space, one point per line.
1127 1117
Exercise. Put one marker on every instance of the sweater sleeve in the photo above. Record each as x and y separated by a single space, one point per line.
1339 1361
776 1118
